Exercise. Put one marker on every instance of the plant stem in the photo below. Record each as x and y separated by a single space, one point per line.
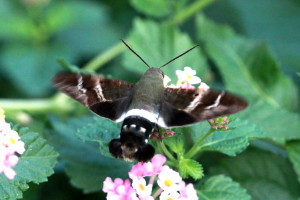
57 103
166 151
197 146
190 10
105 57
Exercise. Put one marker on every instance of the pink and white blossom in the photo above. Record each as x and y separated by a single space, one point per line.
10 145
172 187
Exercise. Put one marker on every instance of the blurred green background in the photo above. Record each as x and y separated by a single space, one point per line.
35 33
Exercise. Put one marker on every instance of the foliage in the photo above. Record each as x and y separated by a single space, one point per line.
35 165
256 55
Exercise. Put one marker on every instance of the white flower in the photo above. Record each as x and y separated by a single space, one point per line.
12 141
188 76
169 179
143 190
166 195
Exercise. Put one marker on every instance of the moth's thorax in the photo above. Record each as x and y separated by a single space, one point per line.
148 92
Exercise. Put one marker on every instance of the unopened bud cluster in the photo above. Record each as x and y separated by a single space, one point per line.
220 123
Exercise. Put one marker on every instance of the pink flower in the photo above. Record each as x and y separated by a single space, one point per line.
187 192
119 189
138 171
156 164
147 169
215 127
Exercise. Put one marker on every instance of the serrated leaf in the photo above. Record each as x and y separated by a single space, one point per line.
35 165
188 167
229 142
82 161
277 124
101 130
265 175
293 149
10 190
221 187
157 44
252 62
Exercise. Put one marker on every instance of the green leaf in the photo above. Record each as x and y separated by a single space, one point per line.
32 68
229 142
155 8
265 175
221 187
267 24
101 130
175 144
293 149
83 163
188 167
277 124
35 165
251 61
159 43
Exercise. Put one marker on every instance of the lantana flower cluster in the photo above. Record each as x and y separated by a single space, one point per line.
171 185
220 123
161 134
10 147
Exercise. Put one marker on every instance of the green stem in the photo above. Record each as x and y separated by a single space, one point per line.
166 151
58 103
197 146
190 10
105 57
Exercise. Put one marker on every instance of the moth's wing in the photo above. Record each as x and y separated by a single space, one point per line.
106 97
187 106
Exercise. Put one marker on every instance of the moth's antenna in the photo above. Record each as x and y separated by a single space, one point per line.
179 55
135 53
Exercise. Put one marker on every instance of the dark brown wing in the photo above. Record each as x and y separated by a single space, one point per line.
107 98
187 106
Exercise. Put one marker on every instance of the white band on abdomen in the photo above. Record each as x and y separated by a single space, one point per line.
152 117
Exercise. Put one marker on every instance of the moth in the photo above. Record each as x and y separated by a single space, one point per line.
145 105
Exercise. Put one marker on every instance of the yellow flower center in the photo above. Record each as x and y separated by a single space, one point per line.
189 77
12 140
170 198
142 187
168 182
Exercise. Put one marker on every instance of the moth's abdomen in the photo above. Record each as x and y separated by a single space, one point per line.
132 144
137 125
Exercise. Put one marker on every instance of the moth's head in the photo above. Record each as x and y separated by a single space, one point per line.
132 144
155 71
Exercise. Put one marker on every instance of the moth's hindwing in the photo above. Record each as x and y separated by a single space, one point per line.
107 98
187 106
